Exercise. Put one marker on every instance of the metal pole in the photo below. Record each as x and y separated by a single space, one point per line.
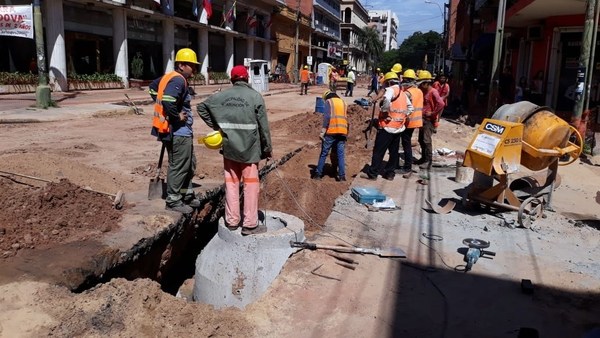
495 75
584 62
296 45
42 91
593 55
444 43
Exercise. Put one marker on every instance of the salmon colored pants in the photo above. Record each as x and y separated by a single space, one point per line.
236 172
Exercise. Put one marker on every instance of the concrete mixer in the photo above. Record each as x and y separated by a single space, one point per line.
519 134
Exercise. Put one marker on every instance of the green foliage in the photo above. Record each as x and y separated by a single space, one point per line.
413 49
371 43
94 78
137 66
388 59
219 77
17 78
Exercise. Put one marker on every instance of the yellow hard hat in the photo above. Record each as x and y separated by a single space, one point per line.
425 76
305 67
409 74
186 55
327 92
390 76
378 69
212 140
397 68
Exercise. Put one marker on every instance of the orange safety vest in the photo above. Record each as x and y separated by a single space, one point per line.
398 110
160 120
338 122
415 120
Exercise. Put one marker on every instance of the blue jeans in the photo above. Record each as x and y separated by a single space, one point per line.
329 141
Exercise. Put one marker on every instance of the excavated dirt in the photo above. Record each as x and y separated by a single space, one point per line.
38 217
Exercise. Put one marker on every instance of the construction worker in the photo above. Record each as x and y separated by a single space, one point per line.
397 68
333 134
350 79
414 121
304 80
433 105
395 107
240 114
443 89
374 82
172 124
333 77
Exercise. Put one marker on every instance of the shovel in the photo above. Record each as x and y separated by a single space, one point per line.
155 188
369 130
390 252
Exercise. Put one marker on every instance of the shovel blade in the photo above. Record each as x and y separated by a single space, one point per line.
155 188
390 252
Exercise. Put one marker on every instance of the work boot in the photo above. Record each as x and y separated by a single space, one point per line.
425 165
180 207
316 176
368 177
192 201
259 229
419 161
389 177
341 178
403 171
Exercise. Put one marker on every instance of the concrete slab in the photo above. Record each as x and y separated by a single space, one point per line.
235 270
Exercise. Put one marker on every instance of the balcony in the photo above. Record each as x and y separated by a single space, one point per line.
326 7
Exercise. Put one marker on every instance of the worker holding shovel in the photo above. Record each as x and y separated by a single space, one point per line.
240 114
172 124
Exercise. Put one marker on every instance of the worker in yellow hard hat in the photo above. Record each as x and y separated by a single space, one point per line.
333 135
172 124
394 109
304 79
433 105
414 121
240 113
397 68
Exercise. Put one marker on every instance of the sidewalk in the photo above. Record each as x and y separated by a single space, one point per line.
20 108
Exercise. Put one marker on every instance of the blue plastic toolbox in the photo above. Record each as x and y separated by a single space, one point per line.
367 195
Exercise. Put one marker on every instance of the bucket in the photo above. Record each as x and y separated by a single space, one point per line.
319 80
320 105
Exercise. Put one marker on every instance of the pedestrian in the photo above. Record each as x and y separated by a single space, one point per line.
414 121
172 125
333 135
240 114
395 107
350 78
374 88
333 78
433 105
304 79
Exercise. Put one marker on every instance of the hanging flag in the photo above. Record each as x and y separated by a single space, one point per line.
231 14
157 1
195 7
269 23
252 21
207 8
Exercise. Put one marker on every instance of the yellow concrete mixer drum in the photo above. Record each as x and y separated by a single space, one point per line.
545 135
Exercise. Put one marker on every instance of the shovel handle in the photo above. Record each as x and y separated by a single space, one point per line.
160 159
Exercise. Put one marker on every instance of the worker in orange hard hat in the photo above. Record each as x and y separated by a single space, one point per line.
172 124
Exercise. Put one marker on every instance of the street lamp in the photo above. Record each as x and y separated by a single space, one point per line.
443 48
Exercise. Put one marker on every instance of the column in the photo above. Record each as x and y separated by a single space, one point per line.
55 38
203 52
228 24
268 19
250 48
120 53
229 52
168 45
267 51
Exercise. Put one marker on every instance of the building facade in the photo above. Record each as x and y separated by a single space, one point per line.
386 23
354 19
326 37
86 37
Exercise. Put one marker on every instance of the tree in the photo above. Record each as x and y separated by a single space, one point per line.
371 42
413 49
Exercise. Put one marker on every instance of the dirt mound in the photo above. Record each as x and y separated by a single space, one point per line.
33 217
124 308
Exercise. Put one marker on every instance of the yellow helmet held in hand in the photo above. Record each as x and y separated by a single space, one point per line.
409 74
186 55
397 68
425 75
212 140
390 76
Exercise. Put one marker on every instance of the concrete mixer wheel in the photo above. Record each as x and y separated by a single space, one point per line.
529 211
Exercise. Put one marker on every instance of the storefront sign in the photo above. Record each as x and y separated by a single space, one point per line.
16 21
334 50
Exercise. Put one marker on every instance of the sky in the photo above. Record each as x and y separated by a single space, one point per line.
413 15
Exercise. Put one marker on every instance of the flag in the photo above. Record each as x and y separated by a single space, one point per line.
195 7
157 1
269 23
231 14
252 21
207 4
